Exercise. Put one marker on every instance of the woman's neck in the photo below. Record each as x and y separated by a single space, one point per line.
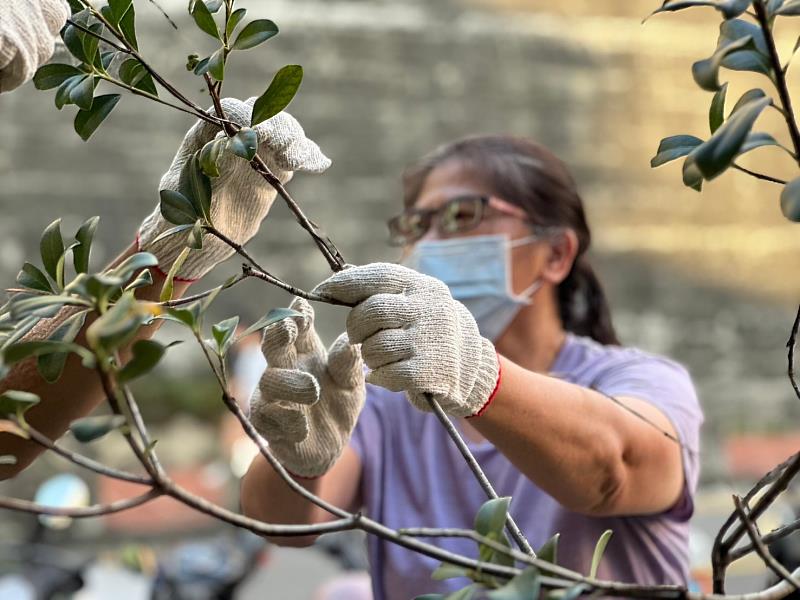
535 336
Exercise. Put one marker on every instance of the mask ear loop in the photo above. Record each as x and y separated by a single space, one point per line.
526 295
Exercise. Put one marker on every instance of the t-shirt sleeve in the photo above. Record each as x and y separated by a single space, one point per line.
668 386
366 434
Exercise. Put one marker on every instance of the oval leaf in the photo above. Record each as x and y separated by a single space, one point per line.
522 587
254 33
90 429
706 72
210 156
51 76
87 121
177 209
236 17
216 64
244 143
279 94
204 19
491 517
273 316
716 112
31 277
15 403
599 550
51 247
146 354
133 263
790 200
84 237
674 147
223 333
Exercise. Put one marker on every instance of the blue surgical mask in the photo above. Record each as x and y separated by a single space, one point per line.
477 270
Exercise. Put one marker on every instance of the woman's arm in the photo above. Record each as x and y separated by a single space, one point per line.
588 452
265 496
77 393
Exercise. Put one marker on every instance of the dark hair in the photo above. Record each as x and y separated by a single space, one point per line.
527 174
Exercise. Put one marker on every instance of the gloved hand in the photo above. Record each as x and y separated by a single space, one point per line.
416 338
241 198
28 30
308 400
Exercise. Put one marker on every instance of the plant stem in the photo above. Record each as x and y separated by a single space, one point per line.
780 78
201 295
79 512
758 175
264 276
790 344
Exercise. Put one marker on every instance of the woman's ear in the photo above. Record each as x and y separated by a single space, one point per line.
562 252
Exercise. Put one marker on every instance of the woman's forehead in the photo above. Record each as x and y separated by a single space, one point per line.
447 181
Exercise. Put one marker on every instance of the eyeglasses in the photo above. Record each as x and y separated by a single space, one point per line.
458 215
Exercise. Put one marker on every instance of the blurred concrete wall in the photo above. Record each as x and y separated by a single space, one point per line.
703 278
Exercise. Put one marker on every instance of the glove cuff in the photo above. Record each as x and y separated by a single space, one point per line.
487 381
483 408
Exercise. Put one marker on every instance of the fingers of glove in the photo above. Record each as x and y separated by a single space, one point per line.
386 347
381 311
55 13
284 143
307 341
288 385
356 284
279 423
397 377
345 366
277 344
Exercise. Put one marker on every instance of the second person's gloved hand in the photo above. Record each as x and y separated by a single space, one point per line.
308 399
416 338
240 197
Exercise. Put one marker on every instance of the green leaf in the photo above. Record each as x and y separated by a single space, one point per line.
135 75
106 58
216 64
213 5
755 60
53 75
773 6
177 209
73 40
90 429
790 200
549 551
15 402
448 571
82 94
244 143
196 186
746 98
31 277
169 283
51 247
674 147
729 8
195 241
273 316
525 586
255 33
87 121
144 279
789 9
491 517
90 42
50 366
172 231
146 354
118 325
133 263
757 140
202 66
22 350
236 17
599 549
118 9
188 315
127 26
204 19
706 72
716 113
84 237
38 305
210 156
717 153
65 89
278 95
223 333
691 174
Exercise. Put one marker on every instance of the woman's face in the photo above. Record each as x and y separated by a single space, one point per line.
452 180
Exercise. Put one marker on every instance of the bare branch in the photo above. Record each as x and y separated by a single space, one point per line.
95 510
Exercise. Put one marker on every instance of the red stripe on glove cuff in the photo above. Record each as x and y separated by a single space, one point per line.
494 391
306 477
158 269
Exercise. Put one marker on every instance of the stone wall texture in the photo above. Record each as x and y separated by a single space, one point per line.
705 278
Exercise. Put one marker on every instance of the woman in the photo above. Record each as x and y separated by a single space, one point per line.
501 319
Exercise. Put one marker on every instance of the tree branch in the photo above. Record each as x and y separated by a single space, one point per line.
80 512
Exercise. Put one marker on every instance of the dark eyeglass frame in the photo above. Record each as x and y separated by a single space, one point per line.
399 225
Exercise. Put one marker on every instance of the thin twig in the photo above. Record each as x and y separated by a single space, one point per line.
790 344
144 94
80 460
768 538
201 295
758 175
760 548
264 276
79 512
780 78
511 525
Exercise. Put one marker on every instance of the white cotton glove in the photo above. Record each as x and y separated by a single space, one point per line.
28 30
308 399
415 337
241 198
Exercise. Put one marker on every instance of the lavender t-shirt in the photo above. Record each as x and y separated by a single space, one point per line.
413 476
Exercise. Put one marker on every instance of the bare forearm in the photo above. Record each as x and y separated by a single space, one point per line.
77 393
589 453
